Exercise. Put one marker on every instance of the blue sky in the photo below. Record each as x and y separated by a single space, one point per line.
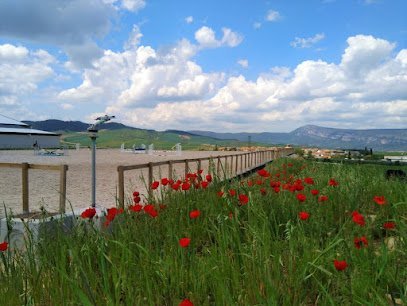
212 65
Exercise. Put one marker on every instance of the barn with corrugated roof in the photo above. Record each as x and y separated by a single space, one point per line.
18 135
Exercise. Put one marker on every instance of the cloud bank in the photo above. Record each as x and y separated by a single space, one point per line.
367 88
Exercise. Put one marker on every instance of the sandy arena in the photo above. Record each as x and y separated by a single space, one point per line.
44 185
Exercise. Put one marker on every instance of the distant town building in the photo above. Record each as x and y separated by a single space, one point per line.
18 135
401 159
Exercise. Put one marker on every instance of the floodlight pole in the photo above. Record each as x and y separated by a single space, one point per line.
93 134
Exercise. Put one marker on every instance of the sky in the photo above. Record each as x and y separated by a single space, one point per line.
216 65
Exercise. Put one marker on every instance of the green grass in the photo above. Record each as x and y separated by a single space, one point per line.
255 254
161 140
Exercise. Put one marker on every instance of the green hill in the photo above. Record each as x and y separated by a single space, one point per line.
161 140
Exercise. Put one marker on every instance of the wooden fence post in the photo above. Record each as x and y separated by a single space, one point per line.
170 169
186 168
62 188
121 185
199 169
218 170
24 178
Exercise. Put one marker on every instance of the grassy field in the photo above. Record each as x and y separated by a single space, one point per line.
299 233
161 140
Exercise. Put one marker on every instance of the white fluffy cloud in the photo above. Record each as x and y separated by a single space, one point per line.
169 89
189 19
21 73
10 53
205 36
133 5
243 63
308 42
273 16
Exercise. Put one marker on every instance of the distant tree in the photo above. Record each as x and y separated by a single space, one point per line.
299 152
309 154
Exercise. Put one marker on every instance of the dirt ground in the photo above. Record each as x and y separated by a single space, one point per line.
44 184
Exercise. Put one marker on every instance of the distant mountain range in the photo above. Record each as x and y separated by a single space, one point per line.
317 136
309 135
53 125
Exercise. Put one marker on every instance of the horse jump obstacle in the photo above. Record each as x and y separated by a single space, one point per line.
248 162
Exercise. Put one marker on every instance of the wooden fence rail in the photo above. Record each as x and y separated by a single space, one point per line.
229 168
24 182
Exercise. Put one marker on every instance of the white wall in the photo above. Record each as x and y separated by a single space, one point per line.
16 141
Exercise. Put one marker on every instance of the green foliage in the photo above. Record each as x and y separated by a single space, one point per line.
261 253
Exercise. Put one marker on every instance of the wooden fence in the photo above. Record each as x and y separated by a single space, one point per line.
24 182
227 165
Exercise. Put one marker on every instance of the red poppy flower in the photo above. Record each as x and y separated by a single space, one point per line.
89 213
148 207
309 180
3 246
204 184
379 200
200 171
208 178
250 183
275 184
113 212
194 214
186 302
389 225
303 215
136 194
185 186
184 242
136 207
163 206
220 194
263 173
150 210
243 199
155 184
322 198
301 197
298 187
232 192
358 218
175 186
136 200
360 242
230 215
340 265
289 164
314 192
164 181
191 176
333 183
263 191
153 213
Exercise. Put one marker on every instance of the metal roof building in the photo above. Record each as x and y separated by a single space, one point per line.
18 135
